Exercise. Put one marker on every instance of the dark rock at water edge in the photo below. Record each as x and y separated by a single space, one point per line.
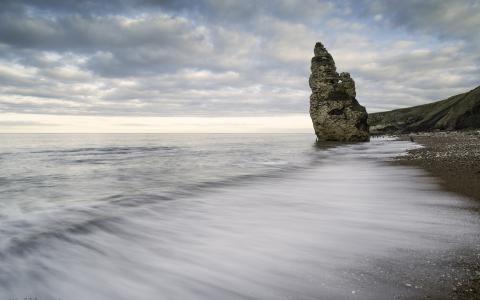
335 113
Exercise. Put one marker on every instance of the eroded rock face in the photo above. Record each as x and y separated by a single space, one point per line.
335 113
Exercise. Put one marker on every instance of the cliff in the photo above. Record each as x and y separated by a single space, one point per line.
457 112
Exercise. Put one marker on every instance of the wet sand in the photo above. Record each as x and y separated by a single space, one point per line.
454 159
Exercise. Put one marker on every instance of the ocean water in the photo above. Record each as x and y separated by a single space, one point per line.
219 216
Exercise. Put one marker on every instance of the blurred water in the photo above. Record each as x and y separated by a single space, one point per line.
216 217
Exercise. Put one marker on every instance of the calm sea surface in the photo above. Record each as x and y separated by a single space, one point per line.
220 216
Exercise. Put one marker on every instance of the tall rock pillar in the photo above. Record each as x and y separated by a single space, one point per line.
335 113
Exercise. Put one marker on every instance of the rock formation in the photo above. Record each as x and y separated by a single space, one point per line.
335 113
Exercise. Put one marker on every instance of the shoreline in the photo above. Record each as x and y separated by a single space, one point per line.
452 157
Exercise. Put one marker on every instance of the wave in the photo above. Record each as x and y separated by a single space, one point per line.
107 150
65 222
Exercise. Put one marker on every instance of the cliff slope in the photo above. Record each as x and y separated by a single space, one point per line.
457 112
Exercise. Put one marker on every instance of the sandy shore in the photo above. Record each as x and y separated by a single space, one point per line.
453 157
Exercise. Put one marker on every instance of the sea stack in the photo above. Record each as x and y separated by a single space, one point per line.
335 113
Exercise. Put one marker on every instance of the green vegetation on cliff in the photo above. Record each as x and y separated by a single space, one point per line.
457 112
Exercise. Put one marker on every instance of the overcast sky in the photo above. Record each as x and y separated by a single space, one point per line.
137 63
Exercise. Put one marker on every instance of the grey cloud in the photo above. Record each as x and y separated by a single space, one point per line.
24 123
86 34
224 57
446 19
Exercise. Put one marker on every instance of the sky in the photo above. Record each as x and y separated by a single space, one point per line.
222 66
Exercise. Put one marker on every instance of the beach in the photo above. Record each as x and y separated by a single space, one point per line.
453 157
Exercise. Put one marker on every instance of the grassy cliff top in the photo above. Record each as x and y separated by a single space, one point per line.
457 112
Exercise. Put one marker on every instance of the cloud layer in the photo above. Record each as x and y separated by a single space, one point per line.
228 58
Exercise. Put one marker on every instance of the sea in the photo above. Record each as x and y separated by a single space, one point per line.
222 216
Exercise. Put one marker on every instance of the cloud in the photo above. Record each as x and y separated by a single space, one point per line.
23 123
228 58
446 19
